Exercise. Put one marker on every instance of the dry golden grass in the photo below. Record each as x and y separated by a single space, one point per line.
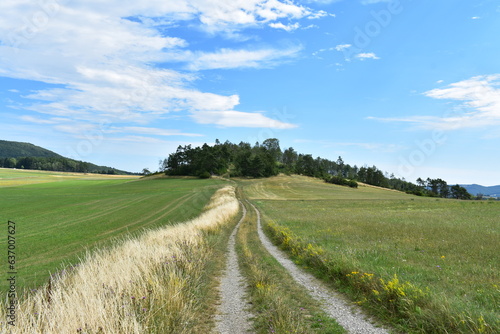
142 285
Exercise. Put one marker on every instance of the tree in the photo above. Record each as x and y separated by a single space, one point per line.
340 167
433 185
272 145
290 158
420 182
10 163
444 189
163 165
459 192
257 166
306 165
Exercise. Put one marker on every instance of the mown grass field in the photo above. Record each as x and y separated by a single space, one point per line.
59 216
443 252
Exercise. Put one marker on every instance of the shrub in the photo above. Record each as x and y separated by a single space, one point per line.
342 182
204 175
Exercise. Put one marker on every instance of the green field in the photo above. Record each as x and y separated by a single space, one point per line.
445 248
59 216
423 265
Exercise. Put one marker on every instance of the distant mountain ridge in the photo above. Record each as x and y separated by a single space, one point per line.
28 156
13 149
476 189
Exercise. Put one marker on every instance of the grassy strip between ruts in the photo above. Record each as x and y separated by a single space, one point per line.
279 305
403 304
155 283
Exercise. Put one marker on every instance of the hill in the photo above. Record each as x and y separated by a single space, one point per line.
13 149
28 156
493 191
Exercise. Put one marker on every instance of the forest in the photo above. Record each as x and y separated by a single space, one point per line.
21 155
56 164
267 159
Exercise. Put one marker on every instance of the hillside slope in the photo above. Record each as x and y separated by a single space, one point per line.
13 149
28 156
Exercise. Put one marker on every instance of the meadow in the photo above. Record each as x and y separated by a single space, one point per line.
161 281
61 216
423 265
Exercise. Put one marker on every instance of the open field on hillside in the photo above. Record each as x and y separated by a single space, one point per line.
59 216
161 281
444 253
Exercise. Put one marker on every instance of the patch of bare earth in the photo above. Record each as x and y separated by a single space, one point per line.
233 316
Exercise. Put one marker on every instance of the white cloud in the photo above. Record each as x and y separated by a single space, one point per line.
230 58
311 26
478 105
156 131
289 27
36 120
342 47
104 64
476 18
368 55
232 118
317 15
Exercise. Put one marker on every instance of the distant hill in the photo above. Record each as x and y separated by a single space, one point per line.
13 149
28 156
474 189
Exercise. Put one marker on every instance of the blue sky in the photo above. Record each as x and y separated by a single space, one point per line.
412 87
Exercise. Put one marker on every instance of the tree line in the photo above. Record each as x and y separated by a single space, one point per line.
56 164
267 159
439 188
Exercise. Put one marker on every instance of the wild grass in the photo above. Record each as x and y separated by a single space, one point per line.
148 284
279 305
425 265
59 216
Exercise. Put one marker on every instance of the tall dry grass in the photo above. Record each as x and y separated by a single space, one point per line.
142 285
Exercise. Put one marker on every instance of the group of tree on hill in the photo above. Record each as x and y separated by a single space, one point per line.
439 188
267 159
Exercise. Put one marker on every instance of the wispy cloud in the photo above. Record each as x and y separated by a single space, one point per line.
342 47
103 57
231 58
232 118
286 27
478 105
367 55
156 131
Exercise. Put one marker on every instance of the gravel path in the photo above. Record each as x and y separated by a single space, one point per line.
352 320
233 317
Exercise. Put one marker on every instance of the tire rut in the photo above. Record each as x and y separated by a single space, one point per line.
347 316
232 315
